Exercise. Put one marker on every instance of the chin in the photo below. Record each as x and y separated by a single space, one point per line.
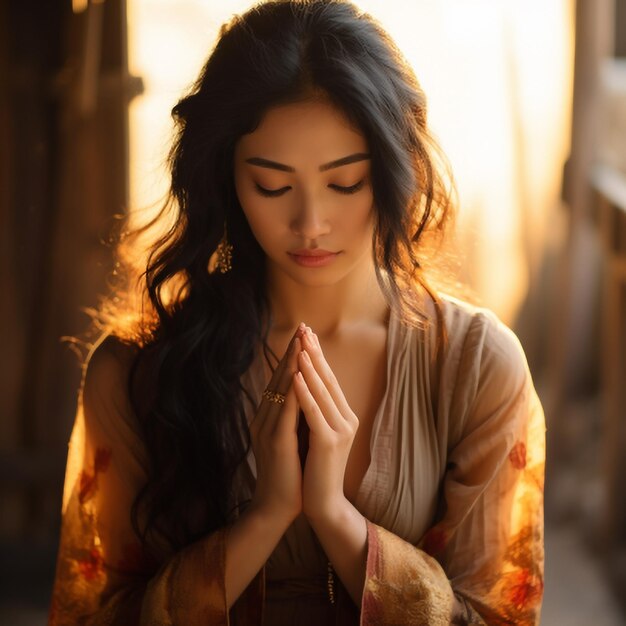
318 279
314 277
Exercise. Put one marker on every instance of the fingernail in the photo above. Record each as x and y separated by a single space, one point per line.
309 338
305 356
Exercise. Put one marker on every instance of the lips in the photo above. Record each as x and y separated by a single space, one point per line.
312 252
313 258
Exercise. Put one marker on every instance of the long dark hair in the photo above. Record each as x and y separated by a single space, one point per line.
198 330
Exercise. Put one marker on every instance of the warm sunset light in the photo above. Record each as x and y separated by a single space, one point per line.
498 78
210 361
78 6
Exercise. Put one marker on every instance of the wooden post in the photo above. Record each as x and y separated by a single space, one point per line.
594 41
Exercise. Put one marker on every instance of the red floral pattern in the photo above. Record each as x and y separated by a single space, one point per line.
524 590
89 480
92 566
517 456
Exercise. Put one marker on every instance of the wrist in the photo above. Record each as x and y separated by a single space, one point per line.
332 512
276 517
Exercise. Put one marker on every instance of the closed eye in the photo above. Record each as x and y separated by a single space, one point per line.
271 193
352 189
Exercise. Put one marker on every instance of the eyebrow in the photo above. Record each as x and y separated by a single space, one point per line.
352 158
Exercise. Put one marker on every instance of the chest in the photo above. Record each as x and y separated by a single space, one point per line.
359 361
360 366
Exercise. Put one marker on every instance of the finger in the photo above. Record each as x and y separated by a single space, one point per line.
270 410
286 421
314 416
320 393
314 350
281 378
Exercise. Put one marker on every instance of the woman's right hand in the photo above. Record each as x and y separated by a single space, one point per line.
273 432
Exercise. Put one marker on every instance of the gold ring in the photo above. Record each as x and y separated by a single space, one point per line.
274 396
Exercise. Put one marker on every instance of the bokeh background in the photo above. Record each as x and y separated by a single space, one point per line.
527 99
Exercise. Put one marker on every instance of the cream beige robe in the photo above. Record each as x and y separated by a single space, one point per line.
453 500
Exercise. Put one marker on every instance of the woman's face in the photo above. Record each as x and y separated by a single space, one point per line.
303 181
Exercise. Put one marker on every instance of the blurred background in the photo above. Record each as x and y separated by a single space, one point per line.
528 100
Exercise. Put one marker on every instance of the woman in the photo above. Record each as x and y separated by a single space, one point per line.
388 468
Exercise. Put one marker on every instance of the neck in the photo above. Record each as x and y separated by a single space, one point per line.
355 299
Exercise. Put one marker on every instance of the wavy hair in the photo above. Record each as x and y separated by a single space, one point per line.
196 330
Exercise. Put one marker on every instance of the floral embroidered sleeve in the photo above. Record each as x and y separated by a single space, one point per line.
103 575
482 560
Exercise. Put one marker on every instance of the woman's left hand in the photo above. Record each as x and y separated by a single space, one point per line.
332 425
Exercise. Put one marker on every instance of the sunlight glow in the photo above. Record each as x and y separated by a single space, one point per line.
498 77
78 6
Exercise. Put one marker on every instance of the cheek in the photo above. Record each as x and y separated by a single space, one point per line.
367 225
259 224
359 217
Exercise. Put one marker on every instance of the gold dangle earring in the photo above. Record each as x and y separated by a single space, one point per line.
224 254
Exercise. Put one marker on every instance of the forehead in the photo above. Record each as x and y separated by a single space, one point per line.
311 128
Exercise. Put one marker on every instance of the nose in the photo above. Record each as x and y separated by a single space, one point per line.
310 220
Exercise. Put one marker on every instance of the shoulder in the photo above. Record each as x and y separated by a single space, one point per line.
106 379
481 356
482 337
488 380
108 363
107 414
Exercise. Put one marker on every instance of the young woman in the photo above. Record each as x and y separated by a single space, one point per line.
388 467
